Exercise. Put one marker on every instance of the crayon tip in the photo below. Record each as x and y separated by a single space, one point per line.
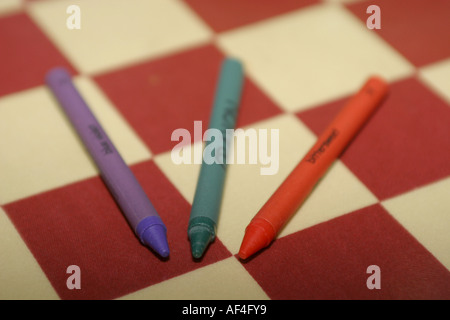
155 237
200 239
255 239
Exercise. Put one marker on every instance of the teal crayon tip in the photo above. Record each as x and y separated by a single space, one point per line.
155 238
200 239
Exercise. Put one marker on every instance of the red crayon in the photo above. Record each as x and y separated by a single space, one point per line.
293 191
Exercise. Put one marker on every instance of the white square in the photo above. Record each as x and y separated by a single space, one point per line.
312 56
40 148
21 277
338 192
437 77
115 33
223 280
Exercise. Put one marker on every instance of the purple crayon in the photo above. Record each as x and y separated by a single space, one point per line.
121 182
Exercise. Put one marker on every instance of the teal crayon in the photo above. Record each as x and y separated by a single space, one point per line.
208 194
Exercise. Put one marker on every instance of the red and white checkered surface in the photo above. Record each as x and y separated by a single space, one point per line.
148 67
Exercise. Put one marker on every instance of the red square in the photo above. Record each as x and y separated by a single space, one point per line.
80 224
404 144
417 29
331 260
223 15
160 96
26 54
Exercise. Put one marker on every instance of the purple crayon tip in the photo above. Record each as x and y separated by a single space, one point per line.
152 233
155 238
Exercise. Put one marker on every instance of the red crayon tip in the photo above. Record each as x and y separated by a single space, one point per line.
258 235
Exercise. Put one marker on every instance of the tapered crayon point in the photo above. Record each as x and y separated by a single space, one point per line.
255 239
155 237
200 239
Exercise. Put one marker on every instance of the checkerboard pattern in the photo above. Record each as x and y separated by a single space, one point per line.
149 68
